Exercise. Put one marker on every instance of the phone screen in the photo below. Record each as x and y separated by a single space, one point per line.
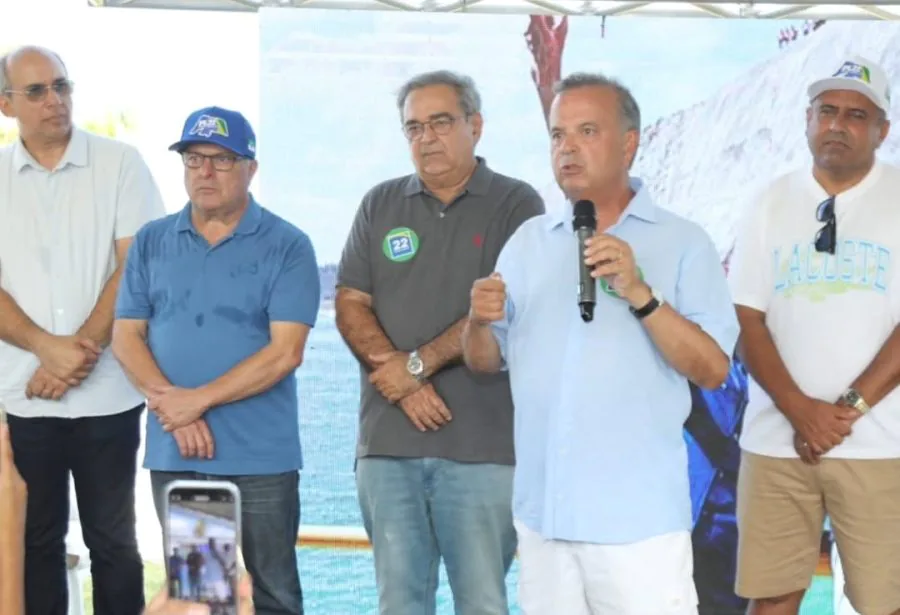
202 538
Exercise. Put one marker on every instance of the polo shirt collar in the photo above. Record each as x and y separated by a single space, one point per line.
641 206
248 224
76 154
478 184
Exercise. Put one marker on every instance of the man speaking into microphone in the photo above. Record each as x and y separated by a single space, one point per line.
601 495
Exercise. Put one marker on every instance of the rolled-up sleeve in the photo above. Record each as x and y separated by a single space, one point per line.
702 294
500 329
507 267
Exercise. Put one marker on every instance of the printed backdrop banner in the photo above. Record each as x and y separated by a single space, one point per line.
723 112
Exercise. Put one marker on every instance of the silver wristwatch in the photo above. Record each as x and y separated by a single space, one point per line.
853 399
415 366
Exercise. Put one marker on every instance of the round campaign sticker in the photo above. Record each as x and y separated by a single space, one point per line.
400 244
609 290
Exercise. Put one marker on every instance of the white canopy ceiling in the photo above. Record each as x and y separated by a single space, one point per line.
823 9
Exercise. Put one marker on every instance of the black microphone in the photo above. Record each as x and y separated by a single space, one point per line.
584 221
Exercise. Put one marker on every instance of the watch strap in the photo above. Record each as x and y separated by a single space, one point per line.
853 399
649 307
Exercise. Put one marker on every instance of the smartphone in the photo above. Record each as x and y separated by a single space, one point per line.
202 541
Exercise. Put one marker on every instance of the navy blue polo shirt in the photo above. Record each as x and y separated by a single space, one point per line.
209 308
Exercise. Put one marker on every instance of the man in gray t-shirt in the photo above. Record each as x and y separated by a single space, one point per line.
435 453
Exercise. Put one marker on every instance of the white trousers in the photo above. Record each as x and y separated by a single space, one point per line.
651 577
842 604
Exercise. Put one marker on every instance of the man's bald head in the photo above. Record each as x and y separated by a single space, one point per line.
35 91
8 60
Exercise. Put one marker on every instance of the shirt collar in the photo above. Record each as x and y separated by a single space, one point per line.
76 154
248 224
478 184
641 206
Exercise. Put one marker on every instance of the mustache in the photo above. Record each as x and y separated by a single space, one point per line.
837 137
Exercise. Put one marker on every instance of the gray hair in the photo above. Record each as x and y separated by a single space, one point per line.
5 85
463 85
628 108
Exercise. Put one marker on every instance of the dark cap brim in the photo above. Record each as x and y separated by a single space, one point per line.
184 144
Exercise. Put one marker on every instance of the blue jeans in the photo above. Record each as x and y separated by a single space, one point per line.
270 520
416 511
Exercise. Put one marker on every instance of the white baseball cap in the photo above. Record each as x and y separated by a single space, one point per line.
858 75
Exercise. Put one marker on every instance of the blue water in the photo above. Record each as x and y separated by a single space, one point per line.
342 582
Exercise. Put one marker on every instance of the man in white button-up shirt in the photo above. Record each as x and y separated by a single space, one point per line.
70 203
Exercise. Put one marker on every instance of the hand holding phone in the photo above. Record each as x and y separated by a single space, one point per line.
163 605
202 537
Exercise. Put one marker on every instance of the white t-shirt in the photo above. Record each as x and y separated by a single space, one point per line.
829 315
57 251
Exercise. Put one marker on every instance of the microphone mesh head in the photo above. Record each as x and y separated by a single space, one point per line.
584 215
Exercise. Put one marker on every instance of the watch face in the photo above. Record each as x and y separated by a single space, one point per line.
415 365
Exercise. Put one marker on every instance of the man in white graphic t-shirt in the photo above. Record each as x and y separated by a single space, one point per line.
817 287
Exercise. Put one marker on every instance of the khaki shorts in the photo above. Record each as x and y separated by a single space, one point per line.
781 506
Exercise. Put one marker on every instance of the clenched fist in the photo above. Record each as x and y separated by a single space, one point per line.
488 300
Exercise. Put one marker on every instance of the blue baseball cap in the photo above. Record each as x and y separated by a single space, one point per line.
218 126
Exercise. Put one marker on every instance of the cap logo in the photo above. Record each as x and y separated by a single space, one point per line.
852 70
208 125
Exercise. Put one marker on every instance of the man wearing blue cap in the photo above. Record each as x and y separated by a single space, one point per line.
212 317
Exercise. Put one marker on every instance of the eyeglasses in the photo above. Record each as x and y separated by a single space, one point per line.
220 162
441 125
37 92
826 238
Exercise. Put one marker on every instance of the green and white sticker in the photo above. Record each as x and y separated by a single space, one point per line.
609 290
400 244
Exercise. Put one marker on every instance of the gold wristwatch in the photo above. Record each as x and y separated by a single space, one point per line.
854 400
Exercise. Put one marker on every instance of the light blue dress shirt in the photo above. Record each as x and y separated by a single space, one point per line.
599 414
